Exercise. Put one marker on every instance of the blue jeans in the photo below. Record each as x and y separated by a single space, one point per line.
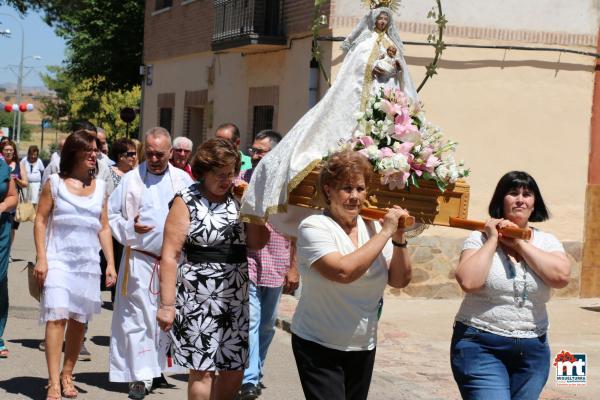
5 229
493 367
263 312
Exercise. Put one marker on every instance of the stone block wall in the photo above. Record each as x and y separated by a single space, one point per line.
434 259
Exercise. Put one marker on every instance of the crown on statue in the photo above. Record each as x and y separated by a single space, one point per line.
391 4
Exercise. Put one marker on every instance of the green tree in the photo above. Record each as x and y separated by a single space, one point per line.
6 121
75 101
109 114
104 37
103 109
57 107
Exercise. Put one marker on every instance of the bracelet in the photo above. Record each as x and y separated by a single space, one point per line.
167 305
401 245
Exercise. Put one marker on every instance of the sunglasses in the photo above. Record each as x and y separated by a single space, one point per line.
130 154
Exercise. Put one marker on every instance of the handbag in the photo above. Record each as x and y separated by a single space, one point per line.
25 210
34 286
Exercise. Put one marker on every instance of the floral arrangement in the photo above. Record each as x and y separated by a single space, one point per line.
402 145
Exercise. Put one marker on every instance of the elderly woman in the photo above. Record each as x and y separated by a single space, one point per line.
500 347
70 227
345 264
210 305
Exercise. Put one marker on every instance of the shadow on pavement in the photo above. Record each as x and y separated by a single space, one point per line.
180 377
25 386
100 380
596 308
101 340
29 343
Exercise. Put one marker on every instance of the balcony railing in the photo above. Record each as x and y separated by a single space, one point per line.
244 23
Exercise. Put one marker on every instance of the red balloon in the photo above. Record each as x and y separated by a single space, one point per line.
8 107
22 107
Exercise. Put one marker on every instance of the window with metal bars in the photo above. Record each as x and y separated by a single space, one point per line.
166 118
262 118
193 124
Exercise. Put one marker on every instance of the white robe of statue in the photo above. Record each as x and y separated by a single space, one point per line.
321 130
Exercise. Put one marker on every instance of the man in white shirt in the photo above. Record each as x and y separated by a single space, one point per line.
137 212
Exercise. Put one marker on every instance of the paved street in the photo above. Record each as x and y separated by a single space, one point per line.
412 355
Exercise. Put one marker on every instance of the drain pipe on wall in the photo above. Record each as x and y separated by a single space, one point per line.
590 262
313 83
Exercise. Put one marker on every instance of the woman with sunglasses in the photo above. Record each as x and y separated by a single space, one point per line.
124 153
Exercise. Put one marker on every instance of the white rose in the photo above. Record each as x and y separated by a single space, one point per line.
373 152
442 172
401 162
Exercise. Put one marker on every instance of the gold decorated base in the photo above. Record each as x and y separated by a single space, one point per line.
427 204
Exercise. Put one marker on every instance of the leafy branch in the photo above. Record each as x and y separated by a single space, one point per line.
436 38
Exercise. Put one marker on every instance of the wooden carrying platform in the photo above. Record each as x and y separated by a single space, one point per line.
427 204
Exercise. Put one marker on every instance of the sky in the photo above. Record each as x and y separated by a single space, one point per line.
40 40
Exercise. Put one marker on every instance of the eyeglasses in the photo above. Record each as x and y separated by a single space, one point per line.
182 151
257 151
130 154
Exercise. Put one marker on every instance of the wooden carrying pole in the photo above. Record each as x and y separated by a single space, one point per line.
515 233
374 214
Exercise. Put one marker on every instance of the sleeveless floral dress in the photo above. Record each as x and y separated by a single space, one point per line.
210 332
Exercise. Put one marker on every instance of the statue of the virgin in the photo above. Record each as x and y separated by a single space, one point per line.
331 121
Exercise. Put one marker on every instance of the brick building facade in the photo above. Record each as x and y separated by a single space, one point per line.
248 62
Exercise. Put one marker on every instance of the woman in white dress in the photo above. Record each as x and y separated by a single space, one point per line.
34 168
320 131
70 227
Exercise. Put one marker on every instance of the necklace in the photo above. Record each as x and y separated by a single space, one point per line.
84 182
524 296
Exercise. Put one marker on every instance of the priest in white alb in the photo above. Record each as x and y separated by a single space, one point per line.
137 212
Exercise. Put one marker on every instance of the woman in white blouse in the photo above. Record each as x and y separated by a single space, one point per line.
345 263
34 168
499 347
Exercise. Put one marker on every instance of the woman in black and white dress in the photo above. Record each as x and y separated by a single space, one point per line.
206 302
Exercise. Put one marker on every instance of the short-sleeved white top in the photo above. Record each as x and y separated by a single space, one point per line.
335 315
496 307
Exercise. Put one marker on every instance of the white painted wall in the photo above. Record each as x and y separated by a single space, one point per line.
574 16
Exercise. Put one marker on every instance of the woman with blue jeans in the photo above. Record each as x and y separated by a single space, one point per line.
499 348
8 202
